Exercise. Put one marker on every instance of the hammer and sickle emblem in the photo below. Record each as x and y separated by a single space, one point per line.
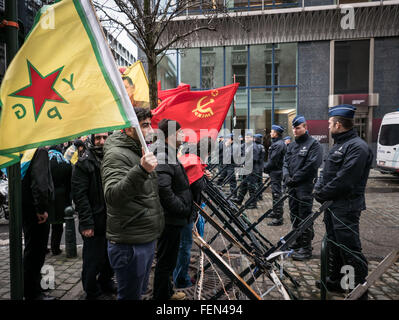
201 110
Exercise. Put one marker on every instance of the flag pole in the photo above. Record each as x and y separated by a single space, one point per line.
234 106
14 174
142 140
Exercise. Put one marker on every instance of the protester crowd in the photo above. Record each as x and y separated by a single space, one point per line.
135 207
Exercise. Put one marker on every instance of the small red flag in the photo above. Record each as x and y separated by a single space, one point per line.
165 94
196 110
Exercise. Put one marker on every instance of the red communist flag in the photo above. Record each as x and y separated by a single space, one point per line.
165 94
197 110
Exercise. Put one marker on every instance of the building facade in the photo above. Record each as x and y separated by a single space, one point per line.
297 57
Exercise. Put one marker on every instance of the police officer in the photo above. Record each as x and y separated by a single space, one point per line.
343 180
229 150
252 153
287 140
259 161
274 167
301 163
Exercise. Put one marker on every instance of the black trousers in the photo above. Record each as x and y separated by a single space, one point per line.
36 238
248 184
342 227
276 178
95 264
56 236
300 203
167 251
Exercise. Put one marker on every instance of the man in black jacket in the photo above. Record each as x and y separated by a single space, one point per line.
253 156
89 202
259 161
230 150
37 199
301 163
274 167
176 200
343 180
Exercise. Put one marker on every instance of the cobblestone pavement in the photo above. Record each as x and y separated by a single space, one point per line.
379 228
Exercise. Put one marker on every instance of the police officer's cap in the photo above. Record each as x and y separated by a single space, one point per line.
277 128
343 110
298 120
249 134
287 138
258 135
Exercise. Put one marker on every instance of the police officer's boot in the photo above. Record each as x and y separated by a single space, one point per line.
334 276
252 205
238 200
305 251
359 264
277 214
296 244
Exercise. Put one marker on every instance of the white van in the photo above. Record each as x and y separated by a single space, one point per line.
388 144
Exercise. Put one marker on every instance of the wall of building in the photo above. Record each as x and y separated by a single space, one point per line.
313 79
386 75
313 85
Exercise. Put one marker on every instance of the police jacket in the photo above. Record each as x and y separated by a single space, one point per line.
259 155
231 153
88 195
276 155
249 152
302 160
346 168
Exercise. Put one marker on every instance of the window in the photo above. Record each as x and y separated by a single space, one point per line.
207 77
269 75
240 71
360 123
351 66
389 135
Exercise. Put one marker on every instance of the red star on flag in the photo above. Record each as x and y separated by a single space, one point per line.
40 89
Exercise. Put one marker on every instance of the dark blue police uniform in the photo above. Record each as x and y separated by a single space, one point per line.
252 152
301 162
274 167
343 180
228 164
259 157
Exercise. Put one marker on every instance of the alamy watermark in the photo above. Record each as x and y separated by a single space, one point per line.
348 20
48 277
234 149
348 280
47 19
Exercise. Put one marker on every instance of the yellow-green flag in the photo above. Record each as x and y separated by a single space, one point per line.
62 83
136 84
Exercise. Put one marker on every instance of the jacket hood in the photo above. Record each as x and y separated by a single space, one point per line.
122 140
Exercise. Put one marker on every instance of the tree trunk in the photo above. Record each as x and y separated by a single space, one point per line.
151 56
152 80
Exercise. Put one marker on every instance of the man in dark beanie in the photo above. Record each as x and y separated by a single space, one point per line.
176 200
89 202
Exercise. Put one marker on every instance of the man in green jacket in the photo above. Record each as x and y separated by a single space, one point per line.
134 213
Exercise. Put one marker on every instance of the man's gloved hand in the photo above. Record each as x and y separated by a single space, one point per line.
290 183
318 197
